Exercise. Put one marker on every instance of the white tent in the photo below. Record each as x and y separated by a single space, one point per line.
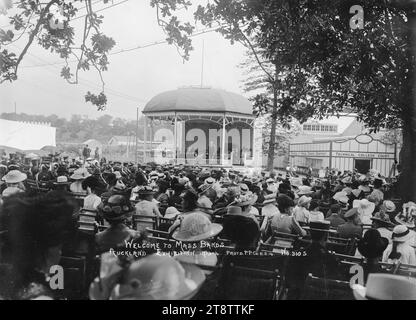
26 136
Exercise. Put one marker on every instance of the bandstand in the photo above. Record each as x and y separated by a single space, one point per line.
202 126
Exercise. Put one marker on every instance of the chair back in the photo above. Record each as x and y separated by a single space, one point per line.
158 233
248 279
326 289
144 221
165 223
74 277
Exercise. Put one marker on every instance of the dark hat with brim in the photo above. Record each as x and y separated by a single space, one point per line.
322 226
383 223
372 245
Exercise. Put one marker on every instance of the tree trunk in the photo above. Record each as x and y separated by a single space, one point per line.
272 142
406 186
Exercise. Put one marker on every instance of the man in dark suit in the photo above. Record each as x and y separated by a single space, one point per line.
352 228
335 218
315 259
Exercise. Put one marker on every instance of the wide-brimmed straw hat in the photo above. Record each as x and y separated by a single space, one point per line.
80 174
364 206
389 205
356 192
372 245
304 190
14 176
351 213
304 200
383 220
245 199
196 227
407 216
364 188
401 233
341 197
155 277
347 190
383 286
243 188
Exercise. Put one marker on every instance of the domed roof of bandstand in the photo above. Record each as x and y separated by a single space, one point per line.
197 99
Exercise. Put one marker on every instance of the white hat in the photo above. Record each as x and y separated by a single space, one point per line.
407 216
401 234
61 180
364 206
15 176
243 188
347 190
304 200
171 212
304 190
196 226
382 286
296 182
209 180
341 197
118 174
390 206
364 189
80 174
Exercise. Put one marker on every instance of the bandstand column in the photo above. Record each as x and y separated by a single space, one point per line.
223 141
145 139
175 134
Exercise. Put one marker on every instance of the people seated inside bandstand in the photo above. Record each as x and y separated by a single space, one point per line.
146 231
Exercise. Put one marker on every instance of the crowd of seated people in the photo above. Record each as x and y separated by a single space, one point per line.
128 231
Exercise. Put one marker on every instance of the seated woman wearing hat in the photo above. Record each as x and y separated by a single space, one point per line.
285 222
371 247
352 228
14 181
206 197
79 175
245 202
301 212
315 214
314 259
38 227
146 205
400 249
92 200
161 196
194 228
269 209
381 221
189 206
155 277
116 211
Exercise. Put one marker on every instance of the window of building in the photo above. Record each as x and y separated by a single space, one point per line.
320 128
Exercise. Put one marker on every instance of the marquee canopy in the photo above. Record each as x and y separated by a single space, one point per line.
26 136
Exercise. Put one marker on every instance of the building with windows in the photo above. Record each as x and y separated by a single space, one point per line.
342 144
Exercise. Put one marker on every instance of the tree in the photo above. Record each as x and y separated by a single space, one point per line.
369 70
273 31
49 24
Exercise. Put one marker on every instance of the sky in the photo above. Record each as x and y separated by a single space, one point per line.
133 77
